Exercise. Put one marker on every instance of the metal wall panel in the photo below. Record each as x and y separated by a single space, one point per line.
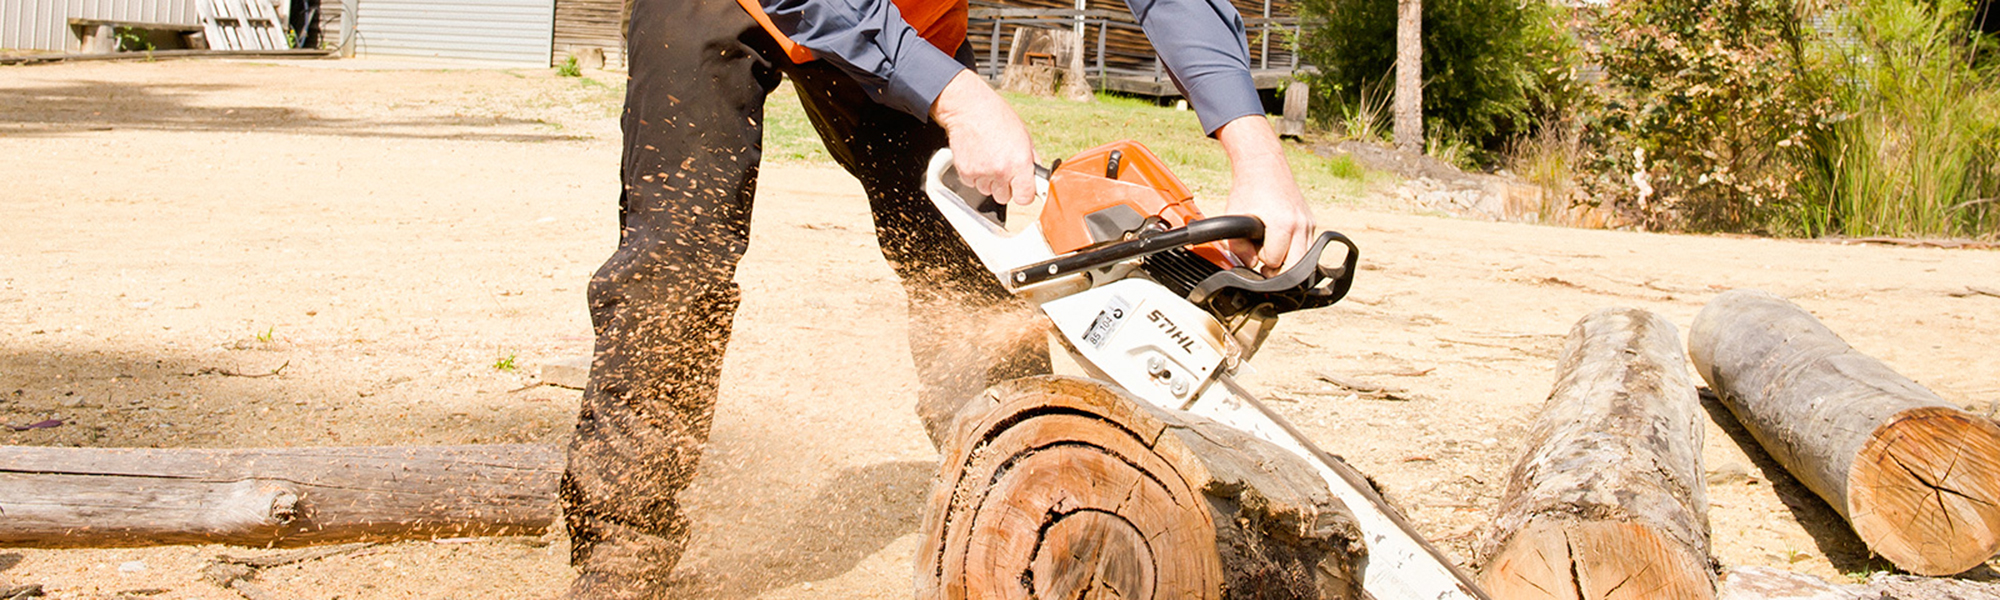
512 32
44 24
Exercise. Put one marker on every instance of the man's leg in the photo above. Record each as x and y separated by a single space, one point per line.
965 331
663 303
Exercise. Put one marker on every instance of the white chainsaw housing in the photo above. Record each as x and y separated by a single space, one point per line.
1139 335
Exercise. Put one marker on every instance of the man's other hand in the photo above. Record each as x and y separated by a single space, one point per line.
1262 186
989 145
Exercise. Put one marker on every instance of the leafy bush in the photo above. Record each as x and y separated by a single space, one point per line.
1783 117
1706 112
1490 66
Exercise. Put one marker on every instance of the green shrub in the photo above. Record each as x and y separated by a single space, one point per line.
1706 115
1490 66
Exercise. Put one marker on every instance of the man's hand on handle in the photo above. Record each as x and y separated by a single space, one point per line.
989 145
1262 186
992 151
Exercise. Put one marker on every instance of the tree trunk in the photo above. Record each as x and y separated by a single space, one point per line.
1409 100
1058 487
1609 501
1917 478
81 497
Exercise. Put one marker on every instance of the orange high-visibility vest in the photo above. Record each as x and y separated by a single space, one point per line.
941 22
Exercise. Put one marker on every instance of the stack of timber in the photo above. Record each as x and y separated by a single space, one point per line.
591 31
1111 24
1058 487
1916 477
1609 501
95 497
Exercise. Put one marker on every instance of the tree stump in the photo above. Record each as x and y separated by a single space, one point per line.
1917 478
1059 487
1046 62
1609 501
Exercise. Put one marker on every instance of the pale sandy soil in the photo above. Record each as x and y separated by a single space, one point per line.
388 235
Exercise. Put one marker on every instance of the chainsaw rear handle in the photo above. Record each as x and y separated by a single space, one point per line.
1306 285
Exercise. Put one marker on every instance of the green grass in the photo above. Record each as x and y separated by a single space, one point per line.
505 363
1062 128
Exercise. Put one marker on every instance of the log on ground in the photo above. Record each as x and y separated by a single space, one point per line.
1916 477
95 497
1609 501
1057 487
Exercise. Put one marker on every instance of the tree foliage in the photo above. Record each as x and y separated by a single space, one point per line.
1492 68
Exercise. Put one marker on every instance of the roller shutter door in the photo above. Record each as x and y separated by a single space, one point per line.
503 32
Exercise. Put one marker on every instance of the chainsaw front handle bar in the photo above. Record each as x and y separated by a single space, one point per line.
1199 232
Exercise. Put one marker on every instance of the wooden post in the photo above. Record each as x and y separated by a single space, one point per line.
1409 101
1609 501
1917 478
1297 95
85 497
1058 487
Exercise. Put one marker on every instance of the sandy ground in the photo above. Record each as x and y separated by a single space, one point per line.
390 236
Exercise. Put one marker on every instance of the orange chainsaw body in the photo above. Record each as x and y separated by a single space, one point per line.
1088 184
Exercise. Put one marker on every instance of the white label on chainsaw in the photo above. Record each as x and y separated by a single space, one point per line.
1107 322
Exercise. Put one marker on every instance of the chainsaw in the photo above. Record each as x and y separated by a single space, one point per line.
1144 294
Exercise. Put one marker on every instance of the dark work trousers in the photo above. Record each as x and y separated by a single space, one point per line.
662 305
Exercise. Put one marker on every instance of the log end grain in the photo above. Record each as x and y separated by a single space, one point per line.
1924 491
1594 560
1055 487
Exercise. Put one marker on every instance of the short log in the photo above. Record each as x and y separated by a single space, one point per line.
96 497
1609 501
1057 487
1916 477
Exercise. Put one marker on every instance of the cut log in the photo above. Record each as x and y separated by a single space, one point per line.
85 497
1609 501
1058 487
1917 478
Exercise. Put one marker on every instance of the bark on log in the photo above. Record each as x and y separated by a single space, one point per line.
1917 478
1609 501
85 497
1057 487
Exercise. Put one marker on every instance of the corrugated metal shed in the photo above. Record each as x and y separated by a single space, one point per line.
44 24
517 32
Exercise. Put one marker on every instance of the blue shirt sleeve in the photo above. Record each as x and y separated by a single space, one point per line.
1201 41
869 40
1206 53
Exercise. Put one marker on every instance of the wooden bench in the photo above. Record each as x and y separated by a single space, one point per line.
100 36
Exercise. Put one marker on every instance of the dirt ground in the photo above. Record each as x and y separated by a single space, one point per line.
388 238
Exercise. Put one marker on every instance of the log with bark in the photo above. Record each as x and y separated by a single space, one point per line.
1057 487
82 497
1917 478
1609 501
